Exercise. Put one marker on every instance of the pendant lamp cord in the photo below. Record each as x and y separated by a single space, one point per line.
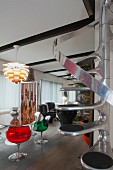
16 47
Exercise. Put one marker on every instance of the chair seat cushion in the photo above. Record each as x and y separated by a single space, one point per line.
97 160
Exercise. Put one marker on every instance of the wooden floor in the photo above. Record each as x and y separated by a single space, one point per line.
60 153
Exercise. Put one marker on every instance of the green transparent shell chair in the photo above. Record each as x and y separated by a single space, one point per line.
41 126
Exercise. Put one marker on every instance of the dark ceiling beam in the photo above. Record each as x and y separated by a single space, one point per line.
41 62
80 55
72 78
49 34
53 60
65 75
54 71
90 6
68 78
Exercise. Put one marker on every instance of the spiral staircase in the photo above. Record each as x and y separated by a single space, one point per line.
100 155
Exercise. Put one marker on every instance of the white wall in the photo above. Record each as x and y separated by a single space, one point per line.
1 64
6 118
40 75
44 76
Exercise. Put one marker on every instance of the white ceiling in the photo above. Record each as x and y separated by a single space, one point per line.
25 18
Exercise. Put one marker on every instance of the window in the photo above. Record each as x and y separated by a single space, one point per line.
72 96
9 93
50 92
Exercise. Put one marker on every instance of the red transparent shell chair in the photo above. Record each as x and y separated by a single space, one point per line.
18 135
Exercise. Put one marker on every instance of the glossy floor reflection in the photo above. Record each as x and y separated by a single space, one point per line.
61 152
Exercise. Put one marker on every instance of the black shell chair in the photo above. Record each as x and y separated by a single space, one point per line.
51 110
67 117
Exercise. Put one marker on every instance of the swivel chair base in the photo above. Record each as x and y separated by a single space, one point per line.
96 161
41 141
17 156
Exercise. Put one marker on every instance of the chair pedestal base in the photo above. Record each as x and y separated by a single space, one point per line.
17 156
41 141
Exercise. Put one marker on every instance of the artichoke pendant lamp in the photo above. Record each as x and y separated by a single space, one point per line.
16 72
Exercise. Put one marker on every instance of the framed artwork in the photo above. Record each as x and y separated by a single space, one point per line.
28 102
